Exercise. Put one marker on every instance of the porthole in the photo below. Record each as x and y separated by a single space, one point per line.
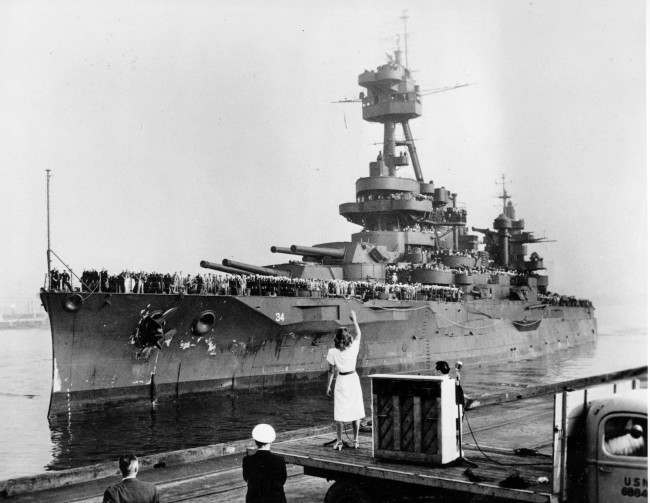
204 323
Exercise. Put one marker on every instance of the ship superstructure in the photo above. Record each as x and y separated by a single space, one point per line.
423 288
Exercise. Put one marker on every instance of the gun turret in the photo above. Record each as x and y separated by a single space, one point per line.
264 271
313 251
218 267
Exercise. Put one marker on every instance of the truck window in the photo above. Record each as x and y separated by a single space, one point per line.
626 436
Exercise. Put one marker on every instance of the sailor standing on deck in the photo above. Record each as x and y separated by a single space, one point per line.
264 471
348 399
65 281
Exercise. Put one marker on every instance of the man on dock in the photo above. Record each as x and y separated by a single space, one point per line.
130 490
264 471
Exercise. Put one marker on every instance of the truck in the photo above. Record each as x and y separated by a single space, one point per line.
594 450
607 450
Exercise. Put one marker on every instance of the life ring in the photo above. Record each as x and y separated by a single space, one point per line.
72 303
204 323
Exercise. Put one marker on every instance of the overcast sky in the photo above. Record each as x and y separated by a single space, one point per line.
180 131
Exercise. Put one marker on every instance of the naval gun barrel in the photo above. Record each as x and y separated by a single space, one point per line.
221 268
313 251
482 231
264 271
281 249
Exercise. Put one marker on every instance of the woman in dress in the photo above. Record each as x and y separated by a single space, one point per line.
348 399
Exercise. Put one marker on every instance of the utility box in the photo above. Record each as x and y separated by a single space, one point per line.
415 418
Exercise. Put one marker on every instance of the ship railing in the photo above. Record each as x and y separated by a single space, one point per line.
259 285
226 284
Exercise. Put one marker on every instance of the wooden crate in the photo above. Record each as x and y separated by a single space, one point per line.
414 418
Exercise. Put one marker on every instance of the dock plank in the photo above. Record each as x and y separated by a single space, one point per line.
498 428
502 423
310 452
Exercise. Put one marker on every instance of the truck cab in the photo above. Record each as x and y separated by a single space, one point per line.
616 449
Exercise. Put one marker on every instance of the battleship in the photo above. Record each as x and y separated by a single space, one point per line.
424 285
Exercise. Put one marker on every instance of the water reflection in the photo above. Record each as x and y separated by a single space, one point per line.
190 421
99 435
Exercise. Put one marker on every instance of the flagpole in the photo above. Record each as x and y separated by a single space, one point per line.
48 173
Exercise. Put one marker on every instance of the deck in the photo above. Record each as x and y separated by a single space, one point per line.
499 430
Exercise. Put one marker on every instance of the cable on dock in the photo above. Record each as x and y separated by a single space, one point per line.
469 426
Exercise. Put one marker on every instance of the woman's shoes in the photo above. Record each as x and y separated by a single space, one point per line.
338 445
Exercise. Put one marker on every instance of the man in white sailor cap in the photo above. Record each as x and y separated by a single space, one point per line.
264 471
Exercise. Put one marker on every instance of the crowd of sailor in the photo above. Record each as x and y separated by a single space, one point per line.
153 282
451 253
92 281
446 213
390 196
394 269
251 284
362 197
555 299
211 283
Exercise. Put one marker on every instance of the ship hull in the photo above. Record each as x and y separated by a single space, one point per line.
268 342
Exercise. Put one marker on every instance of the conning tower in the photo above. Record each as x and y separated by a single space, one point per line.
393 98
507 242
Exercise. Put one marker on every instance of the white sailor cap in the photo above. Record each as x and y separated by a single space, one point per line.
264 433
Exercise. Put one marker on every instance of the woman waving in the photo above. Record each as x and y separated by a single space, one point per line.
348 399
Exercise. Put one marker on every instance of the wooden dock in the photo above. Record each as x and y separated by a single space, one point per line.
200 475
499 430
516 448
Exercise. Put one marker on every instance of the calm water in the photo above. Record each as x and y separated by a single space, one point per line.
29 443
